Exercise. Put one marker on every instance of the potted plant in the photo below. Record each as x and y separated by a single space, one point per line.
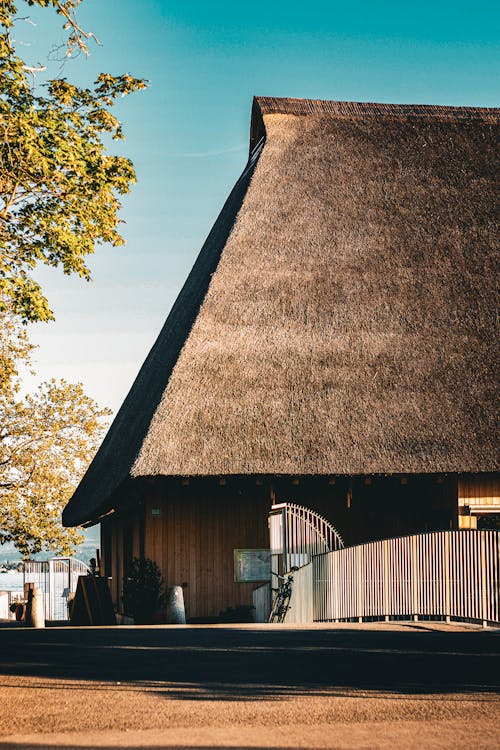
143 590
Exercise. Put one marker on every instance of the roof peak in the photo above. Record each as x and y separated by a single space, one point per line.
287 105
271 105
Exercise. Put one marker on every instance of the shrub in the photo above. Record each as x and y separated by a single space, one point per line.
143 590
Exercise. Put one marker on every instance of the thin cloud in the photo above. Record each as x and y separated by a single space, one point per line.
206 154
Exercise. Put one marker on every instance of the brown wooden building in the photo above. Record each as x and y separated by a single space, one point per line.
334 345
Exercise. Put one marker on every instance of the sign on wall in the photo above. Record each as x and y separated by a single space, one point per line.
252 565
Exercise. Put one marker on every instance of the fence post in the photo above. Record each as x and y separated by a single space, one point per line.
385 583
335 597
447 607
360 584
415 576
314 591
484 599
438 587
317 565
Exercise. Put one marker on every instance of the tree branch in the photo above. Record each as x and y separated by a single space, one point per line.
78 32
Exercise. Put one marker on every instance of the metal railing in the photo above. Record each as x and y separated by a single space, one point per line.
57 578
441 575
296 534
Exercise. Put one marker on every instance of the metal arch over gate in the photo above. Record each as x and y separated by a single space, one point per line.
296 534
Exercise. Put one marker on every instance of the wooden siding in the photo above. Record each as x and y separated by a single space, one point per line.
363 509
478 495
481 490
202 521
112 549
193 538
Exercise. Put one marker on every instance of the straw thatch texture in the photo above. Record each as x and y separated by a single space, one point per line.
114 459
349 327
267 105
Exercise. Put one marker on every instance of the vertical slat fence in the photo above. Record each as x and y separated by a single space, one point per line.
57 579
441 575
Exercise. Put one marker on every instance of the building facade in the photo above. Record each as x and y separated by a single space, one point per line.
334 345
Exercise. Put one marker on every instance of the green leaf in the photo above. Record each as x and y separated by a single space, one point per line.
59 188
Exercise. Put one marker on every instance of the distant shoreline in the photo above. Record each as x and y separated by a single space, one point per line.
11 581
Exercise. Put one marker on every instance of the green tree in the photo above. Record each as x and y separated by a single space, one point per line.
47 440
15 349
59 187
60 194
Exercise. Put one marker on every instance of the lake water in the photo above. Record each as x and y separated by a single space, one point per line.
11 581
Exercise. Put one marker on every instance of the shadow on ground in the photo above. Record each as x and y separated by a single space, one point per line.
206 663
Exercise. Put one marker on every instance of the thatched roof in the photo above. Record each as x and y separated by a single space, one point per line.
340 318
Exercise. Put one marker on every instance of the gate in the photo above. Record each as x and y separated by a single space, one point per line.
57 578
296 535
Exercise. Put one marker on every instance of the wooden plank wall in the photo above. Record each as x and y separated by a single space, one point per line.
479 489
478 494
193 538
112 548
363 509
117 552
200 523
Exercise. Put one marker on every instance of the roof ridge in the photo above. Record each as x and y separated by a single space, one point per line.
286 105
344 110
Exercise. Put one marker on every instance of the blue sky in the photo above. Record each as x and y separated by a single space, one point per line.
188 134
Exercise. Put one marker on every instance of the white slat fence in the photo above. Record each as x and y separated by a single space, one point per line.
443 575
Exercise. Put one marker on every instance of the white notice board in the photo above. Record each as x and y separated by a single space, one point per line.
252 565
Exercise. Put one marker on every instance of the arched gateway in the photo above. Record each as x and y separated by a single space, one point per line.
296 534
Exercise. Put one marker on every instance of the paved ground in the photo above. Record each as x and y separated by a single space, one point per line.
379 686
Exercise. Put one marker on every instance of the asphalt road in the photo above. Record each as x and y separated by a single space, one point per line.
259 660
250 688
